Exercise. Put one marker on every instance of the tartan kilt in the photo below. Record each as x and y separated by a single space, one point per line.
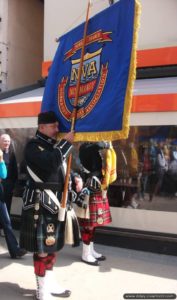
100 214
33 238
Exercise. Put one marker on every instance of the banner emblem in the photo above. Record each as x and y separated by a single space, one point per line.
93 79
90 71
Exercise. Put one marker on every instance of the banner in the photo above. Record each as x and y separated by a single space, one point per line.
107 77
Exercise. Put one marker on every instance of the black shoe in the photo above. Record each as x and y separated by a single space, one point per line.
21 252
65 294
95 263
101 258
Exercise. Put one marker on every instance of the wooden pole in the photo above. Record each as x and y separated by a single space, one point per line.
74 113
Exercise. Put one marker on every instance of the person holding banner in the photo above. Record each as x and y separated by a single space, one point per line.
42 230
97 174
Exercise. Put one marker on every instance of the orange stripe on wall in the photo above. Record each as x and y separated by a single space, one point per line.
157 57
141 103
28 109
154 103
145 58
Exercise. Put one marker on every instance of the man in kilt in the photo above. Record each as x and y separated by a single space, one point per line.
42 233
99 211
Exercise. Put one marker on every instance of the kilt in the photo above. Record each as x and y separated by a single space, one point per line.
33 239
99 211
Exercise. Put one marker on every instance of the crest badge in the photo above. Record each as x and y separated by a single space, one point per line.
93 79
90 72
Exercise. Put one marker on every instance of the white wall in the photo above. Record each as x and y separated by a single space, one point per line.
158 22
62 16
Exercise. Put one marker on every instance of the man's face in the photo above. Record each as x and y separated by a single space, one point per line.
49 130
5 142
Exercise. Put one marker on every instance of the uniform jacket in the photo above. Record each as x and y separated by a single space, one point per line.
12 174
45 157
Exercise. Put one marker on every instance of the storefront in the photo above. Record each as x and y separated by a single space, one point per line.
140 199
143 203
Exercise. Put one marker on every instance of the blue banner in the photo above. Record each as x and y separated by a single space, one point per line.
107 77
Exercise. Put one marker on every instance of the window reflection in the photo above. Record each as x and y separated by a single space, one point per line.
147 169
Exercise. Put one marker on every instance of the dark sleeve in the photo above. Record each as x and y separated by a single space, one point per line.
38 157
64 148
12 172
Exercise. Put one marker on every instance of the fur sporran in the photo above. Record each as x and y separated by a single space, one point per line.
83 212
72 231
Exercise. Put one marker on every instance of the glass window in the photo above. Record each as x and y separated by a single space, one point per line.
147 169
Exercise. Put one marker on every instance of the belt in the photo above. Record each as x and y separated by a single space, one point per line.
46 186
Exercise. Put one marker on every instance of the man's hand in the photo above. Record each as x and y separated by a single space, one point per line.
79 184
69 136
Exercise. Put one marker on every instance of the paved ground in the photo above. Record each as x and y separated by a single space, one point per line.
124 271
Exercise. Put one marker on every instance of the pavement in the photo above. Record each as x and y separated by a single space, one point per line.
124 272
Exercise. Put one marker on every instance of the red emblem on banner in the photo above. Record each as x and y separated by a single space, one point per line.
93 79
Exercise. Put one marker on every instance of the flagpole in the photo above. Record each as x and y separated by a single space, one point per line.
74 113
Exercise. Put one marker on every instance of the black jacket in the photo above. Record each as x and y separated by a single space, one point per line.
45 158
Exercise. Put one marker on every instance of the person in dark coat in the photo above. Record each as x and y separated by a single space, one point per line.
99 211
12 169
14 250
42 233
